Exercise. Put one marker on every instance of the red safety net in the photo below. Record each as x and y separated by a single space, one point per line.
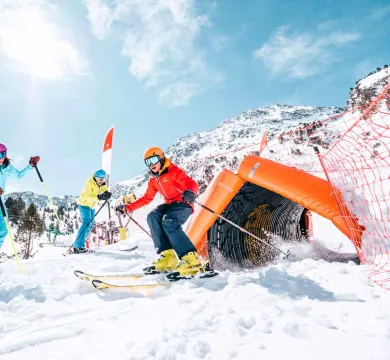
359 165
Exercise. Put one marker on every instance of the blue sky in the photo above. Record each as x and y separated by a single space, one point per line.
160 69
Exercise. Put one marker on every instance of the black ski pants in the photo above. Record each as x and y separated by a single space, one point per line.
165 223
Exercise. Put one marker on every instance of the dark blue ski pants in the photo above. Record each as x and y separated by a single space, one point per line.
165 223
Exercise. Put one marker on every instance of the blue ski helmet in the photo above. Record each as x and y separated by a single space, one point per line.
100 174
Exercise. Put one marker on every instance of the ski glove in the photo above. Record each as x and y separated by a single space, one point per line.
188 196
105 196
34 160
121 209
1 191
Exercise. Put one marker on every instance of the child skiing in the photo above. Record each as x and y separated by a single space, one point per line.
8 170
166 220
95 190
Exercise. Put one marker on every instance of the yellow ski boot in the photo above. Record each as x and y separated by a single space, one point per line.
166 262
189 265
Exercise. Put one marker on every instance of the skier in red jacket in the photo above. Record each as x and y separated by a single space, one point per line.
165 221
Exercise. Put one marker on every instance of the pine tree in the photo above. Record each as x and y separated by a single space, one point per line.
61 212
31 227
69 228
15 208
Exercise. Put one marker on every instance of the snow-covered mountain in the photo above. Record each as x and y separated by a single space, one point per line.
193 152
368 88
66 206
202 154
41 201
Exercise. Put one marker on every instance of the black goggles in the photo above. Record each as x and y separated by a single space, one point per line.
152 160
3 155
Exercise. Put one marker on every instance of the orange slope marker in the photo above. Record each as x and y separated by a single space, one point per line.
305 189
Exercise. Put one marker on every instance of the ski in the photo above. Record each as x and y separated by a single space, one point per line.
88 277
130 249
144 289
175 276
97 252
41 245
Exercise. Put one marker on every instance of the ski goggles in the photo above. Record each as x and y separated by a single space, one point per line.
3 155
152 160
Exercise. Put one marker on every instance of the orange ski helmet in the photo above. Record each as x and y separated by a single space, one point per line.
153 153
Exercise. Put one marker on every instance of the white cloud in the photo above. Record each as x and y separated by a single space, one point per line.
159 37
379 13
101 18
300 55
178 94
221 42
31 43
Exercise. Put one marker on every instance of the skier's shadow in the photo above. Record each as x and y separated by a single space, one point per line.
297 287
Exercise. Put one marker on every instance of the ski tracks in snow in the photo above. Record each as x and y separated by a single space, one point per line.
312 309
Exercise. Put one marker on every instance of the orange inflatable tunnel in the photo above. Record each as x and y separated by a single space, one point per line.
270 200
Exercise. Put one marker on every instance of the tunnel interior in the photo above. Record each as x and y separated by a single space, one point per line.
266 214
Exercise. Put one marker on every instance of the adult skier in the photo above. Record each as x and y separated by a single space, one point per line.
95 189
165 221
8 170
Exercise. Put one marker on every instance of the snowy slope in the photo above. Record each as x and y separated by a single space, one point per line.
304 310
368 88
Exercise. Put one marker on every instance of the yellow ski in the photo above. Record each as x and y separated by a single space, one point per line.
144 289
88 277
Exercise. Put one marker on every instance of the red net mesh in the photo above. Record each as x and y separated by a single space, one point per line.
353 154
359 165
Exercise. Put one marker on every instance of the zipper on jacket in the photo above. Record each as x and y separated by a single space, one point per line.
162 188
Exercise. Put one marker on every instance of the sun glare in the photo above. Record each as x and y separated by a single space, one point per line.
35 45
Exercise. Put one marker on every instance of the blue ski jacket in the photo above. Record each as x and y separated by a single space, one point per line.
11 171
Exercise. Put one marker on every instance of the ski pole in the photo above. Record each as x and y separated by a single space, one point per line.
286 254
86 227
10 235
131 218
110 234
47 193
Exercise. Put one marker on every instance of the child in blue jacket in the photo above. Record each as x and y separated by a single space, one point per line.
8 170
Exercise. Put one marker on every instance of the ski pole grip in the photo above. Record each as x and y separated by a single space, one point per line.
39 174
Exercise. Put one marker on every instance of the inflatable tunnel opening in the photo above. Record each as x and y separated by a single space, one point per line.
264 213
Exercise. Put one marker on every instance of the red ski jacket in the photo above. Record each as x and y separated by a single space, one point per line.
171 182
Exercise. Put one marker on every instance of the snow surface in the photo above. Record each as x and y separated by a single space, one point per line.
374 78
305 309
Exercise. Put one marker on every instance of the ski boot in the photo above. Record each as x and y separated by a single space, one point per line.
80 250
166 262
189 267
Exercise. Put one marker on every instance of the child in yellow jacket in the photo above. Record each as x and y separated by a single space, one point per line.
95 189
